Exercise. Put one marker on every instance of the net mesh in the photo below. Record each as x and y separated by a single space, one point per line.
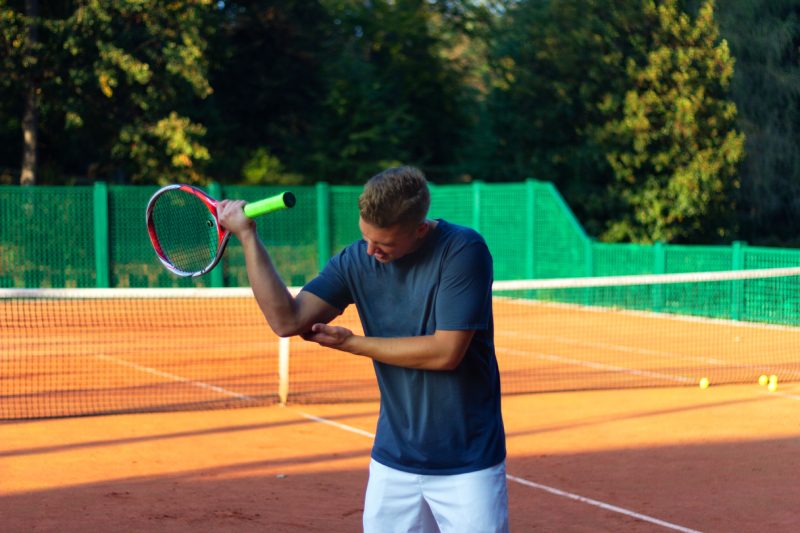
68 353
78 352
185 229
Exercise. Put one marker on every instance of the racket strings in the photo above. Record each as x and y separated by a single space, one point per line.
185 230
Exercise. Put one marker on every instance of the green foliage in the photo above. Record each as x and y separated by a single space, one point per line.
393 95
263 168
12 44
764 37
634 109
267 68
120 76
164 152
626 104
671 139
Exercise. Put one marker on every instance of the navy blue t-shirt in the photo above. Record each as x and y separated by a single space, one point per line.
430 422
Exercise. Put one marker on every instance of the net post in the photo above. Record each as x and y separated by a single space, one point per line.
323 223
101 249
217 275
283 369
737 263
530 228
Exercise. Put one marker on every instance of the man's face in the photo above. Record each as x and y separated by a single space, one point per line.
392 243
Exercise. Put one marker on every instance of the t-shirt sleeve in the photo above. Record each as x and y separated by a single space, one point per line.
464 300
331 284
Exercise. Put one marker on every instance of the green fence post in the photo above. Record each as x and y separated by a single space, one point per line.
659 257
530 228
101 249
738 294
477 189
217 274
323 223
737 249
659 267
588 269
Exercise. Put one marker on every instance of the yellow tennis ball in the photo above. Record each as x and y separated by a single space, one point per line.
763 380
704 383
773 378
773 386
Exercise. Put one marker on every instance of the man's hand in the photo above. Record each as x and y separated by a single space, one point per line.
331 336
232 218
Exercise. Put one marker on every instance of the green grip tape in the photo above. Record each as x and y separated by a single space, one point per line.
268 205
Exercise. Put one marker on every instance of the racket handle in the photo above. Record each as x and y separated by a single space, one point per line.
268 205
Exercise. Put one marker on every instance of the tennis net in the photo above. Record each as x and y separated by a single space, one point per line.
73 352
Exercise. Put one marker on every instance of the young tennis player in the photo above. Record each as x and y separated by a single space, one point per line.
423 292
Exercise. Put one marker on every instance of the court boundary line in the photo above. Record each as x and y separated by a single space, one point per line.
531 484
625 348
786 395
595 365
173 377
601 505
641 313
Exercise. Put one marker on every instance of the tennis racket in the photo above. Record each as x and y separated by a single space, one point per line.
184 228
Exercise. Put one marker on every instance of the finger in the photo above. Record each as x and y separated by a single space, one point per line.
321 328
322 339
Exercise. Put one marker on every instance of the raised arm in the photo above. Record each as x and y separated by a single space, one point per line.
286 315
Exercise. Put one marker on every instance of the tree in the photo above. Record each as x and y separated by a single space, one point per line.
551 63
19 34
393 96
626 105
115 81
30 133
671 141
267 67
764 36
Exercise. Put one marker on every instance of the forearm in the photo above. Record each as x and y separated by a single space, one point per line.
443 350
408 352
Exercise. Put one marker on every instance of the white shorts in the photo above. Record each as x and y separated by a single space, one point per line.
397 501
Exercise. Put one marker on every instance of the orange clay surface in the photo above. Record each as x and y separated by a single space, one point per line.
76 357
723 459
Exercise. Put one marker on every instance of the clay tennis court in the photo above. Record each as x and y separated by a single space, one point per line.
607 429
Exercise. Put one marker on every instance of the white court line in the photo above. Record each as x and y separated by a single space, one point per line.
784 395
345 427
601 505
531 484
614 347
173 377
638 351
596 366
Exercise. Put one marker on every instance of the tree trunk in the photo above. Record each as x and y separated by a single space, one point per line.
30 120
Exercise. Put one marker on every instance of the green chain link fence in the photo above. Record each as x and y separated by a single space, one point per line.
95 236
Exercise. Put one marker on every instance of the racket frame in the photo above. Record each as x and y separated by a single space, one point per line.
223 236
251 210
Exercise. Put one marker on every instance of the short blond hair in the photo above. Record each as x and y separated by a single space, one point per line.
396 196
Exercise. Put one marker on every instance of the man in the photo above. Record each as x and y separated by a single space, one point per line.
423 292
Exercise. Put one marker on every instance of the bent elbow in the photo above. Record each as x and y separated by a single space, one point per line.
285 329
450 362
447 366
